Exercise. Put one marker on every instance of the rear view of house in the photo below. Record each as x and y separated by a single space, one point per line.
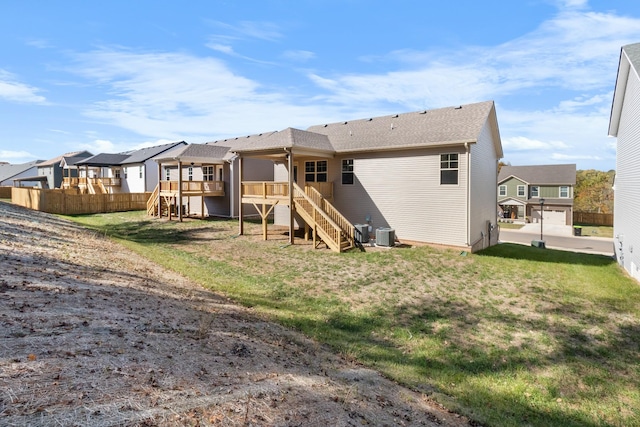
428 175
625 125
521 189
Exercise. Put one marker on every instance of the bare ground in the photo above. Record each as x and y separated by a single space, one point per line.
94 335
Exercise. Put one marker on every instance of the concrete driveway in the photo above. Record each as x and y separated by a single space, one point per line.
558 237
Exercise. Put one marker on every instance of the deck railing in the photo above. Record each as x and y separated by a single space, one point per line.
193 187
264 189
345 225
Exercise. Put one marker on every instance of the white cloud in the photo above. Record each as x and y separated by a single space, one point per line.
573 157
12 90
249 29
16 156
521 143
298 55
181 97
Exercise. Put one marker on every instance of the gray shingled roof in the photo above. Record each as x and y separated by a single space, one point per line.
103 160
195 152
452 125
144 154
287 138
541 174
418 129
57 160
633 52
8 170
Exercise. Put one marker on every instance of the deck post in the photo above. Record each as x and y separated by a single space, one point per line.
291 207
159 197
179 201
240 212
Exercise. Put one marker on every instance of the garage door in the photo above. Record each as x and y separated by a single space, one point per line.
556 217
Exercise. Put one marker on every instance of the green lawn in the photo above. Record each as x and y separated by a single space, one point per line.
512 336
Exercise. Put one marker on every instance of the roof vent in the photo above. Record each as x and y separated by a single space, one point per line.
326 125
350 133
392 126
459 107
395 116
345 123
423 112
370 119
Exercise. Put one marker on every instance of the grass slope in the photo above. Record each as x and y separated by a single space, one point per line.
511 336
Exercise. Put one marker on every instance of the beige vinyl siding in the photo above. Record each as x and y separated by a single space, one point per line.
402 190
627 184
483 177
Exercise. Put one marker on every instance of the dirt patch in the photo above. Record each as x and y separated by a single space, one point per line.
92 334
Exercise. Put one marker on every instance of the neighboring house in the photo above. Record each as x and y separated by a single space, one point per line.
129 172
521 188
52 168
625 125
201 179
23 175
429 176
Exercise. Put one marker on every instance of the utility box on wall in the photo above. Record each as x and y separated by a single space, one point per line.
362 233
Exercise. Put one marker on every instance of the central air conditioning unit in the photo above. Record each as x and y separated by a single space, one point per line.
362 233
385 237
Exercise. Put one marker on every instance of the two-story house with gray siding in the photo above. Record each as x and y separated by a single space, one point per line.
521 189
625 125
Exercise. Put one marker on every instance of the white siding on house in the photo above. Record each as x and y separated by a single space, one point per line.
627 185
483 174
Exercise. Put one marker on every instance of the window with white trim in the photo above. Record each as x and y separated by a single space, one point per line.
190 173
167 174
449 169
208 173
502 190
564 191
347 171
535 191
140 171
315 171
116 173
521 192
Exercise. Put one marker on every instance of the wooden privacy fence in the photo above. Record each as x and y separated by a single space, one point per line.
70 203
593 218
5 192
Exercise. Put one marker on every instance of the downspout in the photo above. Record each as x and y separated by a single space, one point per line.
468 155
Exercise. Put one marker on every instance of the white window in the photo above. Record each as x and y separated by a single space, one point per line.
190 173
167 174
347 171
208 173
521 191
140 171
116 173
535 191
564 191
126 172
502 190
315 171
449 169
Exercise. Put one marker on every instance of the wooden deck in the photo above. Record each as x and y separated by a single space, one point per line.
192 188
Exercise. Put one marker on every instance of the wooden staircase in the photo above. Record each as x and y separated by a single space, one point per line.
152 204
326 221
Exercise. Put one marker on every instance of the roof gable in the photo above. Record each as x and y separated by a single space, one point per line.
57 160
8 170
628 67
144 154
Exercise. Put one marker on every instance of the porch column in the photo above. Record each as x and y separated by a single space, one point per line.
159 181
291 207
179 202
240 210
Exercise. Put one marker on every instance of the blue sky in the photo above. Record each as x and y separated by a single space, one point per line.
109 76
